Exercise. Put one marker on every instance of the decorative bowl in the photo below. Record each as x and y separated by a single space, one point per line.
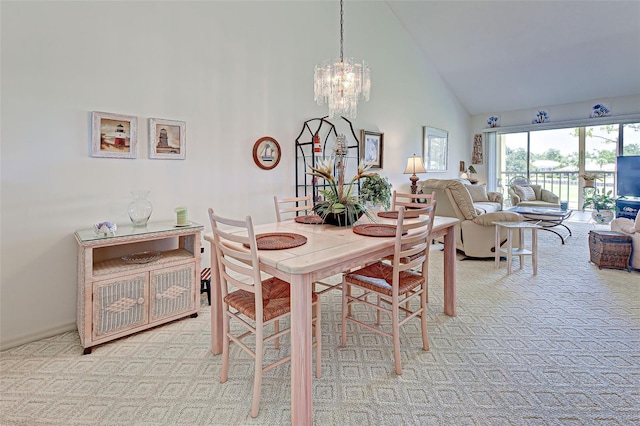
142 257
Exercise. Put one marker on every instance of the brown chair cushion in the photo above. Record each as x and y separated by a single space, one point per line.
379 276
276 299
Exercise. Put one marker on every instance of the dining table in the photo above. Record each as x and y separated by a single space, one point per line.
329 250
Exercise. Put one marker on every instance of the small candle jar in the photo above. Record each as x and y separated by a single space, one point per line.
182 217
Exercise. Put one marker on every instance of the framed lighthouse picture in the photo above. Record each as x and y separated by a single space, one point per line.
167 139
113 135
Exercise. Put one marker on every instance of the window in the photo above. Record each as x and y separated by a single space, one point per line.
554 158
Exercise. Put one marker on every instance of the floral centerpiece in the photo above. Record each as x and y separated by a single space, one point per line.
376 190
340 206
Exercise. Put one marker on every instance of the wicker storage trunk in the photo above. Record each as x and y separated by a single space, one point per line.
610 249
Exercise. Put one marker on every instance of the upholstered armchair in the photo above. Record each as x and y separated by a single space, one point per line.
629 227
532 196
476 208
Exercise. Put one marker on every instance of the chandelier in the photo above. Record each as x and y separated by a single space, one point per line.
341 83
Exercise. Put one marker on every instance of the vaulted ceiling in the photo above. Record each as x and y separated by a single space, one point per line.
508 55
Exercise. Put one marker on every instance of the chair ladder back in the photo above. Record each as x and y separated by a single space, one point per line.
237 264
285 206
409 245
412 201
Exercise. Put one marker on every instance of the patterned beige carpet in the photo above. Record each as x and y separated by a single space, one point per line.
561 348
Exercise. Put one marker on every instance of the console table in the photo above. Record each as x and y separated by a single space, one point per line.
119 294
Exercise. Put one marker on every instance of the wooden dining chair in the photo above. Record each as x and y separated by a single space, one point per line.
286 207
255 303
410 201
395 284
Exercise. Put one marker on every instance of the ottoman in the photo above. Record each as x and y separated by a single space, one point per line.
609 249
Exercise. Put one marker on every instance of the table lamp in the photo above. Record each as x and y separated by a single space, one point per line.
414 165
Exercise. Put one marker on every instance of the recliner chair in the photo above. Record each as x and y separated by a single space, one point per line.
476 234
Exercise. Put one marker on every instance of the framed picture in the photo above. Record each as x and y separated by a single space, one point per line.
113 135
434 149
266 153
167 139
371 148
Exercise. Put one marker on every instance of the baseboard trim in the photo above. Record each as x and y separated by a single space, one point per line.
12 343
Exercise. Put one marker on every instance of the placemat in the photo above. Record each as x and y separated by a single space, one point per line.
312 219
375 230
279 240
394 214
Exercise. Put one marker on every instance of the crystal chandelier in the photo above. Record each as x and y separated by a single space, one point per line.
341 83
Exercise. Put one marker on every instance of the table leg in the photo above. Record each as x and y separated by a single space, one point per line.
497 247
450 271
509 250
301 354
520 246
534 250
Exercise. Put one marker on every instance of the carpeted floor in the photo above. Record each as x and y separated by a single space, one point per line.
560 348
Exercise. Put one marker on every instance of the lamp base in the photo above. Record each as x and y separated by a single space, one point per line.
414 183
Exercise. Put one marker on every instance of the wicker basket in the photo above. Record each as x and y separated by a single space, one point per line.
610 249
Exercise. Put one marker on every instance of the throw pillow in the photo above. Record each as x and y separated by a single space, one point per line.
525 193
478 192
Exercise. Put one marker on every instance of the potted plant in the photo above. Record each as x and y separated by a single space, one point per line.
603 205
376 190
471 172
339 206
590 178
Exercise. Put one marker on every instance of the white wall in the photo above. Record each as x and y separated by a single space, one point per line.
234 71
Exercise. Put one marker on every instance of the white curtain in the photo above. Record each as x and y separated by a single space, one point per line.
492 155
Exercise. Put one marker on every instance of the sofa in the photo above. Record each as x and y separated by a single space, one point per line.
631 228
532 196
476 208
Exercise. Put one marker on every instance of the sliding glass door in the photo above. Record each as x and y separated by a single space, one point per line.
554 158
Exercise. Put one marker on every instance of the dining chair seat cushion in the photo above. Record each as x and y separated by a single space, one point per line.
276 299
379 276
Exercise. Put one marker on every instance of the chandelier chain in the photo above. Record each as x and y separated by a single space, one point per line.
341 33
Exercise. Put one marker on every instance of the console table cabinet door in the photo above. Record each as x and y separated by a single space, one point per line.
120 304
171 291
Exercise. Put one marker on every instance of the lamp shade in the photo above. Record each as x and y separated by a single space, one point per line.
414 165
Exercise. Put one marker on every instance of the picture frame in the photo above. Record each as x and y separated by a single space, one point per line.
167 139
113 135
266 153
372 148
435 149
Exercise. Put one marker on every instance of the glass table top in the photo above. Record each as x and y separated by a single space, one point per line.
127 230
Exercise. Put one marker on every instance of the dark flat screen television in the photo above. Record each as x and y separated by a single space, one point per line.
628 176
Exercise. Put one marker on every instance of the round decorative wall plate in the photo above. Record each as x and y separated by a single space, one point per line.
266 153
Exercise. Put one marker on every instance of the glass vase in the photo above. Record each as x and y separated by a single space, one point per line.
140 208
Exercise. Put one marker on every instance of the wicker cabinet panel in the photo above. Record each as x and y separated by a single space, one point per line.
171 291
119 304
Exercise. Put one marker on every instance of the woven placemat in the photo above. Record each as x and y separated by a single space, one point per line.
375 230
279 241
394 214
312 219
